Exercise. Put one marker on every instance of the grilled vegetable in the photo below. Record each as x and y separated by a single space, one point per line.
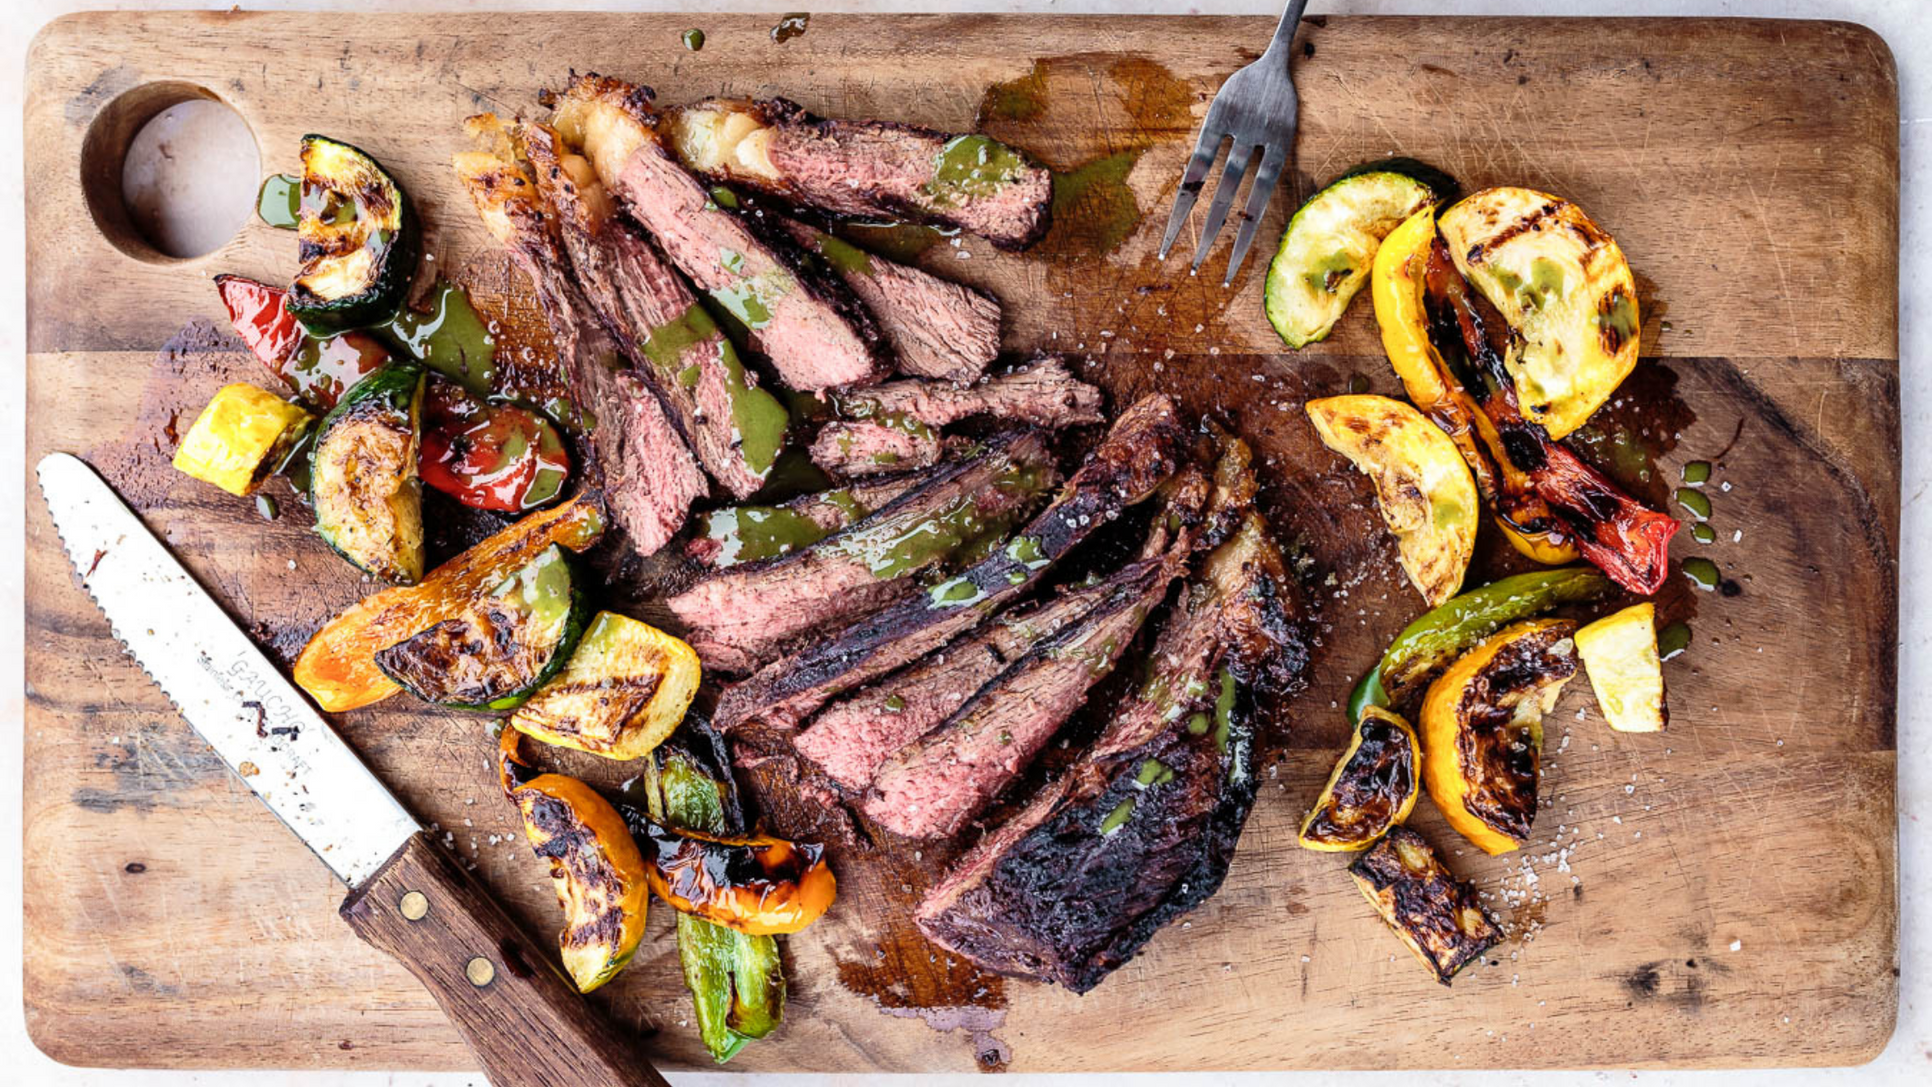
1563 286
737 981
1373 787
319 371
1421 484
362 475
489 456
1620 653
338 666
242 436
1401 314
1330 243
595 866
1432 912
1482 730
758 886
502 647
625 688
1428 645
1629 541
358 240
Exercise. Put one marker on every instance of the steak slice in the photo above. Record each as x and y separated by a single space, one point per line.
869 168
738 534
736 428
937 328
1042 392
956 770
740 617
1141 829
650 476
851 738
1143 448
807 321
853 448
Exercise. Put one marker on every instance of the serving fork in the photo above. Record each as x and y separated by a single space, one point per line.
1255 108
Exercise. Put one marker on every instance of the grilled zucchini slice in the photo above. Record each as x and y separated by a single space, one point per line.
1373 788
1329 246
1435 914
1563 286
362 475
625 688
242 436
500 649
358 240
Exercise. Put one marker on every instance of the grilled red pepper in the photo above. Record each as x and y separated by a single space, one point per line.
1627 539
318 371
490 456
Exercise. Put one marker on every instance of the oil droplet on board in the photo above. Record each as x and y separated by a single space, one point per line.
790 25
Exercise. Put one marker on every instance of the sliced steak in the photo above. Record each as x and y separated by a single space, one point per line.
807 321
1144 447
1042 392
650 475
851 738
937 328
736 428
740 617
1142 828
953 772
869 168
738 534
854 448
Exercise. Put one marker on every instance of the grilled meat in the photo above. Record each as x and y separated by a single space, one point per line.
1141 829
807 321
740 617
873 169
736 534
1042 392
853 448
851 738
937 328
735 428
650 476
1143 448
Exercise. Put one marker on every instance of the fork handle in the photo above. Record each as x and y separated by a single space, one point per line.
1285 30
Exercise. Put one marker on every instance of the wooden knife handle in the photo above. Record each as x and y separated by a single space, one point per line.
522 1018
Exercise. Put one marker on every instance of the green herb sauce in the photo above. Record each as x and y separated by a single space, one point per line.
972 166
280 201
451 338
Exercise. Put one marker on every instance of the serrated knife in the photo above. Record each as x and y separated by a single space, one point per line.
408 896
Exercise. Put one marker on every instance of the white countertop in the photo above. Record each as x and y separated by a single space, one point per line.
1904 24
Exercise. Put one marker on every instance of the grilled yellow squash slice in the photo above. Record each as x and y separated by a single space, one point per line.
1565 289
625 688
1620 653
1434 914
1373 788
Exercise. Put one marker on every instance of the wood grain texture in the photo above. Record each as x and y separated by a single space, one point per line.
1723 894
523 1020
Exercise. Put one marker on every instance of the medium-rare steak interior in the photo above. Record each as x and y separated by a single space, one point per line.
806 320
650 475
873 169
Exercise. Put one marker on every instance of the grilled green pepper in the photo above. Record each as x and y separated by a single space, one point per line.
1444 633
737 981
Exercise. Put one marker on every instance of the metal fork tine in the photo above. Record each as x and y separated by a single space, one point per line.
1205 149
1265 178
1237 165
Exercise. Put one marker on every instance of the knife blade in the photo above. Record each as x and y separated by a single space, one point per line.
225 687
408 896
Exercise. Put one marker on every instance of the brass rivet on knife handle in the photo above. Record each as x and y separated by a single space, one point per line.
506 994
414 906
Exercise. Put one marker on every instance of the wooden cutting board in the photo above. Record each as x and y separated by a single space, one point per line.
1722 894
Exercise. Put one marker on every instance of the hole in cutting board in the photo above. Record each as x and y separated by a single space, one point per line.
169 171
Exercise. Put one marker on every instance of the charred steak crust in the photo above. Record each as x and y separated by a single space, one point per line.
1142 828
1042 392
1143 448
